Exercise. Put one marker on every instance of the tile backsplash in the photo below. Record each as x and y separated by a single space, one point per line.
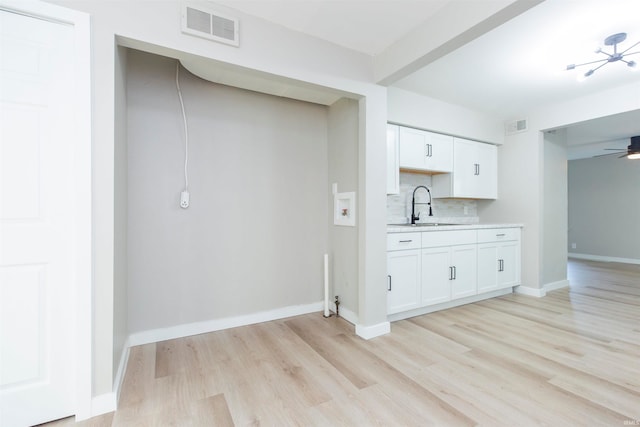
460 211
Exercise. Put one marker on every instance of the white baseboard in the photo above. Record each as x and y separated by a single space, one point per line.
368 332
349 316
548 287
122 369
604 258
195 328
532 292
103 404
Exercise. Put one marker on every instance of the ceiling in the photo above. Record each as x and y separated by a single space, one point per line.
509 71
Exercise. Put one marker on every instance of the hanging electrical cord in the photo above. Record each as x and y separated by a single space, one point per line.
184 196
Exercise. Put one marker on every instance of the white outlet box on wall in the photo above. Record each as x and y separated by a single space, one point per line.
344 209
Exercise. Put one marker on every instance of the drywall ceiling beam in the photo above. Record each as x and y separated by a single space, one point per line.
456 24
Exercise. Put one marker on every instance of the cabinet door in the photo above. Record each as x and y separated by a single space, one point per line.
413 148
393 165
464 263
465 181
508 255
486 186
436 281
403 269
439 155
475 172
488 266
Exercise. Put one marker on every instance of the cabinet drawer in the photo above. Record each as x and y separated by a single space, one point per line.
498 234
400 241
433 239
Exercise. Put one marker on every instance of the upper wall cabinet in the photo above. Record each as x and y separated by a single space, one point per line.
475 172
393 173
425 151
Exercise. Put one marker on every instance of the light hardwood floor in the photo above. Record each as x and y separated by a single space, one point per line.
571 358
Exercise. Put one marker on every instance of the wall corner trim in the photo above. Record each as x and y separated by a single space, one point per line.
103 404
548 287
532 292
368 332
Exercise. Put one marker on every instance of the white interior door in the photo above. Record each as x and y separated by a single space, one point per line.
37 280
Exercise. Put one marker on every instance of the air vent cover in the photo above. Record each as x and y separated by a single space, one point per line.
516 126
201 22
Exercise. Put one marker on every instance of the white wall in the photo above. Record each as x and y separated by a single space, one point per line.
120 306
604 203
343 170
255 233
413 110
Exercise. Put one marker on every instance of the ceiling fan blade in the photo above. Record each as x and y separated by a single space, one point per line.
608 154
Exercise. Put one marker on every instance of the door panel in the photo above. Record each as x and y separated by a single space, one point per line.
37 323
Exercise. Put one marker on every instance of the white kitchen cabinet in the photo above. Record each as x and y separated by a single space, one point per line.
393 159
448 265
425 151
433 269
498 259
475 172
403 280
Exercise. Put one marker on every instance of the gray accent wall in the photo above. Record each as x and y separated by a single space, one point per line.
254 236
604 207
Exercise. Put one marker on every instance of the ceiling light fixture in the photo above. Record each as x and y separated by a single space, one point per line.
633 150
616 56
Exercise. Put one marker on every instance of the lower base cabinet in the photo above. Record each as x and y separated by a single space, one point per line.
450 266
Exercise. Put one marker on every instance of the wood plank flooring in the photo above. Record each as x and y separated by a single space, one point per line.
571 358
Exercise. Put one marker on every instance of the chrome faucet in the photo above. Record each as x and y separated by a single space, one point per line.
415 217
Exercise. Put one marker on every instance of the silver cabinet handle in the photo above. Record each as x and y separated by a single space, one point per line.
405 241
500 235
389 286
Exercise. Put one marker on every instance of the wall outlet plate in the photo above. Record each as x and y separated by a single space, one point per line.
184 199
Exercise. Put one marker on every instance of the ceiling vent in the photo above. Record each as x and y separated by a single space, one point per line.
200 22
516 126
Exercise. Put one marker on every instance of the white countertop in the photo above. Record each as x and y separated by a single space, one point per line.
391 228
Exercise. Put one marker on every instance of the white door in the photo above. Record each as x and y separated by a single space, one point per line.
37 205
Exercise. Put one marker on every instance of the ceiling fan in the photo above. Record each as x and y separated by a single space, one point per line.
631 152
